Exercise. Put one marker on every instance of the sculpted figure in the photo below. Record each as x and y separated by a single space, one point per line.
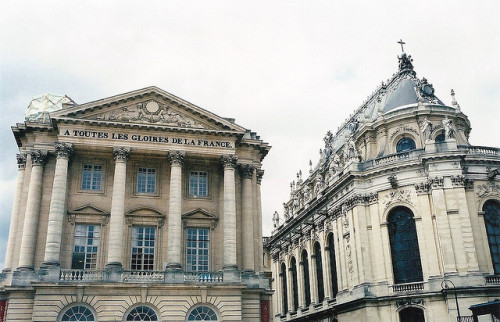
448 128
276 220
426 128
307 193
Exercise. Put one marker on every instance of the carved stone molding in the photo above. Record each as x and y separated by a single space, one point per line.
21 161
437 182
246 170
423 187
488 190
260 174
64 150
229 160
38 157
409 301
121 153
176 157
458 181
469 184
403 195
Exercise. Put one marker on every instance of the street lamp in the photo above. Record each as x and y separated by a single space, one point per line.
444 285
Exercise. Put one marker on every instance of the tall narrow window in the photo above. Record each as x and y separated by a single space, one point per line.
411 314
307 286
143 248
198 184
405 144
85 246
319 272
333 266
405 252
146 180
197 250
293 268
491 210
284 288
92 177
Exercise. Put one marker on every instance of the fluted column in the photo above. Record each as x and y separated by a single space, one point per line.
117 216
30 228
246 172
258 224
229 162
174 211
57 204
21 168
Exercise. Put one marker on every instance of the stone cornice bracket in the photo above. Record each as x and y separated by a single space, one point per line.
121 153
176 157
229 160
38 157
246 170
260 174
21 161
64 150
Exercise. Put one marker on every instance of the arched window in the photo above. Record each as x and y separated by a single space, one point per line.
142 313
333 266
202 313
491 210
440 138
293 268
405 144
405 252
411 314
319 272
78 313
307 286
284 288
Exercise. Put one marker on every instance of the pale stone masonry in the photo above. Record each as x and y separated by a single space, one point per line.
403 211
137 208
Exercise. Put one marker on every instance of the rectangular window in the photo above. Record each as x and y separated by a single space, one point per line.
85 246
197 250
92 177
146 180
198 184
143 248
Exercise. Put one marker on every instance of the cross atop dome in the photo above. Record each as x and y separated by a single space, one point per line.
401 42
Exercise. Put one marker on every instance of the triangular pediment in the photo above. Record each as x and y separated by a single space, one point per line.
88 210
150 106
199 214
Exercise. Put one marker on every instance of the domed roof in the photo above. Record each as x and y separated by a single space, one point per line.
39 108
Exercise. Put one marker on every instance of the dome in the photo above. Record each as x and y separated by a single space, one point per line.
39 108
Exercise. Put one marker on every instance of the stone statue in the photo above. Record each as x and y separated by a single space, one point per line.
353 126
426 128
307 193
449 133
276 220
286 211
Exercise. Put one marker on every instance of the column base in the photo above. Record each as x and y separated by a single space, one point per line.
23 276
49 272
231 274
114 272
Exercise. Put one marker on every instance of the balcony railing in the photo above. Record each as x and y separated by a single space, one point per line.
203 277
492 279
482 150
143 276
72 275
408 287
466 319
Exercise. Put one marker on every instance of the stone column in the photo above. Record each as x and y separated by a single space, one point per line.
229 162
21 168
174 211
246 172
300 279
117 216
57 204
30 228
258 223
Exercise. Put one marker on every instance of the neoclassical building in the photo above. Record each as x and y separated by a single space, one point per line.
136 207
398 221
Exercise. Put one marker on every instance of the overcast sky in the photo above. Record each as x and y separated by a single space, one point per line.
289 70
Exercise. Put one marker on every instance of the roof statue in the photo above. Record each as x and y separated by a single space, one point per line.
39 108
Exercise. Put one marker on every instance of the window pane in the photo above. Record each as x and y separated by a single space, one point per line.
91 177
197 250
85 246
146 180
198 183
143 248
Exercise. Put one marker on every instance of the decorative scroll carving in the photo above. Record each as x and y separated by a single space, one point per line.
176 157
121 153
229 161
409 301
393 180
488 190
403 195
64 150
21 161
38 157
149 112
246 170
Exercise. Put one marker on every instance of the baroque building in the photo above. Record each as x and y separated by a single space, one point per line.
146 208
398 221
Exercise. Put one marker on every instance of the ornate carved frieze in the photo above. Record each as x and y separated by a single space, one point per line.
437 182
488 190
38 157
148 112
246 170
176 157
458 181
229 160
423 187
64 150
121 153
403 195
409 301
21 161
348 252
403 129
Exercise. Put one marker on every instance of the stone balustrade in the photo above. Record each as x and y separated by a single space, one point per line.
408 287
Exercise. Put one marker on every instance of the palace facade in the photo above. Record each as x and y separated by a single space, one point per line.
398 221
136 207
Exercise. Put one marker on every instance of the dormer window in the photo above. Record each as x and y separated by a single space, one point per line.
405 144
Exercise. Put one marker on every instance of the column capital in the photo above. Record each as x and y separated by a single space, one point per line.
260 174
176 157
64 150
38 157
229 161
21 161
121 153
246 170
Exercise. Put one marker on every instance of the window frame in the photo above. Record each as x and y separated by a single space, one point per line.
207 183
80 175
413 145
71 306
86 238
147 177
142 246
135 307
196 241
490 224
